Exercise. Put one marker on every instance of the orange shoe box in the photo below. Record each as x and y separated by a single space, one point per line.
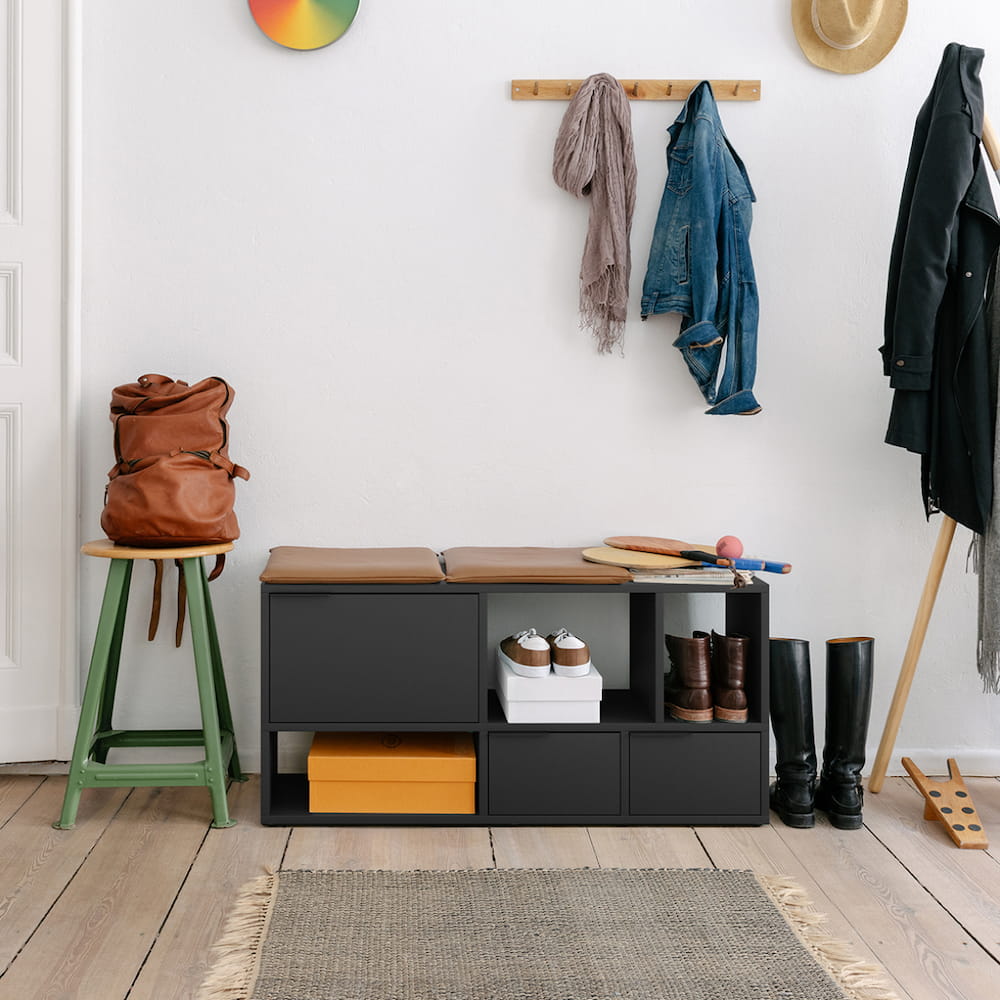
392 773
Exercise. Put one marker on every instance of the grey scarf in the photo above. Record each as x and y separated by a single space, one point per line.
594 155
987 546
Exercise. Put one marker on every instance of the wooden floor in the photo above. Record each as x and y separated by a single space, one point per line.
127 904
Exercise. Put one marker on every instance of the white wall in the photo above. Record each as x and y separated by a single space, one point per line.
367 243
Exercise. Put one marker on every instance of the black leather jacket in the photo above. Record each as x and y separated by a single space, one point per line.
936 351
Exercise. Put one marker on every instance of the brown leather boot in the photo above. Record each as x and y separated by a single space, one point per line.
686 686
729 659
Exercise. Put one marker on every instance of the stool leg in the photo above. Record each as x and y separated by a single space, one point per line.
215 765
107 641
107 704
221 692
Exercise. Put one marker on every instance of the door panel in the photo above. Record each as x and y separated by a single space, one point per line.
32 387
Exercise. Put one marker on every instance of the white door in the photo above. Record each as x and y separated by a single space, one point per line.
33 390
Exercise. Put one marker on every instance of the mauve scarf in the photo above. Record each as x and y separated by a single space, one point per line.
594 155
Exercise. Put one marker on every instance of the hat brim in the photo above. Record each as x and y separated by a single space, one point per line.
869 53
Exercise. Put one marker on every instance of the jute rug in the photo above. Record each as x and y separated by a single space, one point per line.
571 934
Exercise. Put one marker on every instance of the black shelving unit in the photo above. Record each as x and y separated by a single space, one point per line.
416 657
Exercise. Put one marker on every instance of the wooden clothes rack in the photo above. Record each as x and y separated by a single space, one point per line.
637 90
927 598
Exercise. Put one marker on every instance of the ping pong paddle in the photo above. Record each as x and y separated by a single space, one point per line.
638 559
686 550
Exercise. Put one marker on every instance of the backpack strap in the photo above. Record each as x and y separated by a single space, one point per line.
154 614
220 565
221 462
181 603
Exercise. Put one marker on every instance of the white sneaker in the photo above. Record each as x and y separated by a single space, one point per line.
526 653
570 655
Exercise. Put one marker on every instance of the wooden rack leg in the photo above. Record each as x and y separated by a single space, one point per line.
909 667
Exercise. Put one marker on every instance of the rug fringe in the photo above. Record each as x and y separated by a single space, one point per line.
859 980
236 955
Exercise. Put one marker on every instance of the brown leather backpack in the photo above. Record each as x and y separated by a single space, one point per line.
172 484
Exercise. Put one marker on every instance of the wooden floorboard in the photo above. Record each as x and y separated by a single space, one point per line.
543 847
37 863
14 790
227 861
127 905
95 938
918 941
402 848
766 851
648 847
966 883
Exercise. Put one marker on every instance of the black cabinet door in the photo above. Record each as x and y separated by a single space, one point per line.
379 658
695 774
555 774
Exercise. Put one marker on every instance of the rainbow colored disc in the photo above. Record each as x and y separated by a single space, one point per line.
303 24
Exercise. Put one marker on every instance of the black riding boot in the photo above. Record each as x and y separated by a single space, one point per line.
792 722
848 704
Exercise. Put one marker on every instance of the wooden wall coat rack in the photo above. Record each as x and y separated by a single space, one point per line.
637 90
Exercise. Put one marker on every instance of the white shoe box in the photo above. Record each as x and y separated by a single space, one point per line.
551 698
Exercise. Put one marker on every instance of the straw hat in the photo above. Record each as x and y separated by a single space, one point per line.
847 36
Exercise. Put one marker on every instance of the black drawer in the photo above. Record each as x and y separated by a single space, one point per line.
695 774
381 658
555 774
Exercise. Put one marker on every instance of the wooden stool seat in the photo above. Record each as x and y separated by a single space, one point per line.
107 549
96 735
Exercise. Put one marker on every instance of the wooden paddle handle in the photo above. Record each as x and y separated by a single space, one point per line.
762 565
753 565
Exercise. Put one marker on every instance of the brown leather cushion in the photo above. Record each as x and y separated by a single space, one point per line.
302 564
527 565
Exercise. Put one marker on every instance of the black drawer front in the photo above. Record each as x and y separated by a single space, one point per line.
691 774
555 774
374 658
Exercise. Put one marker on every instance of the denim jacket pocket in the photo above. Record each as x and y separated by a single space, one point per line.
680 172
680 254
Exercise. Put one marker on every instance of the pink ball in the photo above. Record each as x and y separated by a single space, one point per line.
729 547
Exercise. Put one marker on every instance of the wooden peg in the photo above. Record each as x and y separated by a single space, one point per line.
736 89
635 89
536 89
670 88
950 802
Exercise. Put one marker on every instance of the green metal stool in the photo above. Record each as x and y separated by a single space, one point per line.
96 735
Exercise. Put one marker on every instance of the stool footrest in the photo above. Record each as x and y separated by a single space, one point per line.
96 775
142 775
150 738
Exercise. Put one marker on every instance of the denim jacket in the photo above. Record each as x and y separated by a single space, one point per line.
699 261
